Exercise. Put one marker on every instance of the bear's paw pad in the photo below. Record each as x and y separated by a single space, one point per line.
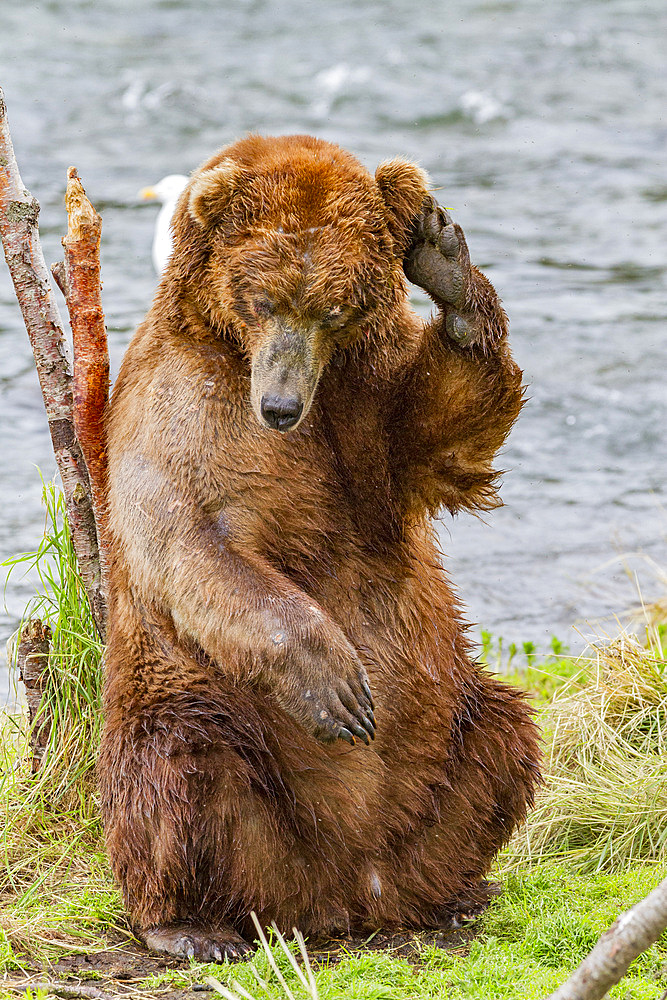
437 259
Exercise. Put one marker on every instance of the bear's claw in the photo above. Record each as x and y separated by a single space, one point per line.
189 941
342 712
367 691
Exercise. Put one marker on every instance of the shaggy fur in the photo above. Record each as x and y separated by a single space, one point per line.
260 578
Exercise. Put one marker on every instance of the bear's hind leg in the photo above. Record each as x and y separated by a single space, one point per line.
213 808
489 780
160 831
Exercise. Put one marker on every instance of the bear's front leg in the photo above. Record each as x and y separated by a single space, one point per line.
458 397
252 621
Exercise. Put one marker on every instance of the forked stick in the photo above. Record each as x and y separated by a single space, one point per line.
23 252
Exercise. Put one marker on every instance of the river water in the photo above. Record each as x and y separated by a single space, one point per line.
541 124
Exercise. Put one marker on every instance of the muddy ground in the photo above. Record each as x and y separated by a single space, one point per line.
119 971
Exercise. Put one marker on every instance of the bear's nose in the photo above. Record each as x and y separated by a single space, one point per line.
279 413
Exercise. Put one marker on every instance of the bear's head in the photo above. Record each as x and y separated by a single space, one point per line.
289 246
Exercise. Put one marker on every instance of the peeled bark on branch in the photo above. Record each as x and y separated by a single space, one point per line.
631 934
23 252
91 356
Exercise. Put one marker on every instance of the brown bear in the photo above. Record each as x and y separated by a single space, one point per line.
293 721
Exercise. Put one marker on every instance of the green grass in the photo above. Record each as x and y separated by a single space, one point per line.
595 844
542 674
74 674
52 863
531 938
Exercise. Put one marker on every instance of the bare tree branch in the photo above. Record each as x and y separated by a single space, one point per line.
69 991
631 934
23 252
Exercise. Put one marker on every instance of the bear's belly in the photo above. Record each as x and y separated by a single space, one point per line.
398 611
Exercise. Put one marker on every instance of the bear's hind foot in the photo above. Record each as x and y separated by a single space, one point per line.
190 941
468 905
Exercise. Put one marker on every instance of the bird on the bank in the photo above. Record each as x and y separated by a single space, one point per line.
167 192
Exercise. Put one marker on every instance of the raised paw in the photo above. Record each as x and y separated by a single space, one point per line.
190 941
437 259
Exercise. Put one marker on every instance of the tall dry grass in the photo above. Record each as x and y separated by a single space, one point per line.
604 803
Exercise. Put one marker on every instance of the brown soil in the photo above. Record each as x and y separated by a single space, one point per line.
399 944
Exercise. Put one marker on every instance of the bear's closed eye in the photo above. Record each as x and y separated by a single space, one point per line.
263 306
338 316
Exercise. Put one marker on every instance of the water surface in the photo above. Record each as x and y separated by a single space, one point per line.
542 126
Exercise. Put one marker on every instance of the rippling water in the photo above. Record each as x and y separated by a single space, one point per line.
543 127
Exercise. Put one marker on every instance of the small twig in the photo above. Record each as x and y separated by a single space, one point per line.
631 934
59 276
69 991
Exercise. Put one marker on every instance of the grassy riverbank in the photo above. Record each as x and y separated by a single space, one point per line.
596 843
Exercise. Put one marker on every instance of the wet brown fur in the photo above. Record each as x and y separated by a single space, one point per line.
226 534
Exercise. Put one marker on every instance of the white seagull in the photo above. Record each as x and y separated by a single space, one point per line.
167 192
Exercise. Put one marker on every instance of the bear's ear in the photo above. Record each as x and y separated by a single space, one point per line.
403 186
212 192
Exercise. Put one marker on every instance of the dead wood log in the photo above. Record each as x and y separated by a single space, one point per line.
631 934
23 252
32 659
